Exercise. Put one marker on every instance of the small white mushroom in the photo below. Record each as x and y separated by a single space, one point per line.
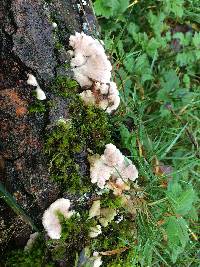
39 92
107 215
97 262
54 25
88 97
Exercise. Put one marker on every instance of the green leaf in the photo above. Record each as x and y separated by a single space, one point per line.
133 30
176 229
157 22
147 253
125 136
109 8
142 67
192 214
152 48
186 80
175 189
119 6
186 58
184 39
181 200
169 85
176 7
120 48
196 39
103 8
10 200
128 140
177 235
184 202
146 77
129 63
171 81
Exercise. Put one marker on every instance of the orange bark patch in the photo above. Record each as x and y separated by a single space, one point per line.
15 101
20 111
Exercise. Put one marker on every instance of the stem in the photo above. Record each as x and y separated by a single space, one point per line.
157 202
10 200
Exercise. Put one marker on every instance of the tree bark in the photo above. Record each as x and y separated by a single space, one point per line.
29 44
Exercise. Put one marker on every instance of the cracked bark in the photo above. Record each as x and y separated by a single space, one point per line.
28 46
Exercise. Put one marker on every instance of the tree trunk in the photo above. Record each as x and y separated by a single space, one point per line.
30 44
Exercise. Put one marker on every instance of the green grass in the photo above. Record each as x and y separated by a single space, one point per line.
158 122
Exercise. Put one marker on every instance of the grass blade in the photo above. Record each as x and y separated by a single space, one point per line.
9 199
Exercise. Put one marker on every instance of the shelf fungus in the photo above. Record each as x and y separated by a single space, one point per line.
112 170
92 70
50 218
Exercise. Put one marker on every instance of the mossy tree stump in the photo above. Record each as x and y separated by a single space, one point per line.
30 44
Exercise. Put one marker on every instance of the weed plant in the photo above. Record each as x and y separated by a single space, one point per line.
155 48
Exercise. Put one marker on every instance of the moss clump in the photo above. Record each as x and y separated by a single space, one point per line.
35 256
64 87
37 106
74 238
67 144
51 252
111 201
118 238
61 145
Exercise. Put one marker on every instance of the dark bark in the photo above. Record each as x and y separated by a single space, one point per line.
28 45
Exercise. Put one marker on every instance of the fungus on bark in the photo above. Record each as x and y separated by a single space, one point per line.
39 92
92 70
50 218
112 170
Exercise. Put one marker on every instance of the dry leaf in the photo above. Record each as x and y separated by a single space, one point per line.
113 252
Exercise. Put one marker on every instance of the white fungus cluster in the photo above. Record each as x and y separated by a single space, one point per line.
50 218
112 170
39 92
92 70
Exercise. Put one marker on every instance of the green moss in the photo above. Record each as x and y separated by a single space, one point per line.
126 259
87 127
58 46
37 106
64 86
111 201
116 236
35 256
74 237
